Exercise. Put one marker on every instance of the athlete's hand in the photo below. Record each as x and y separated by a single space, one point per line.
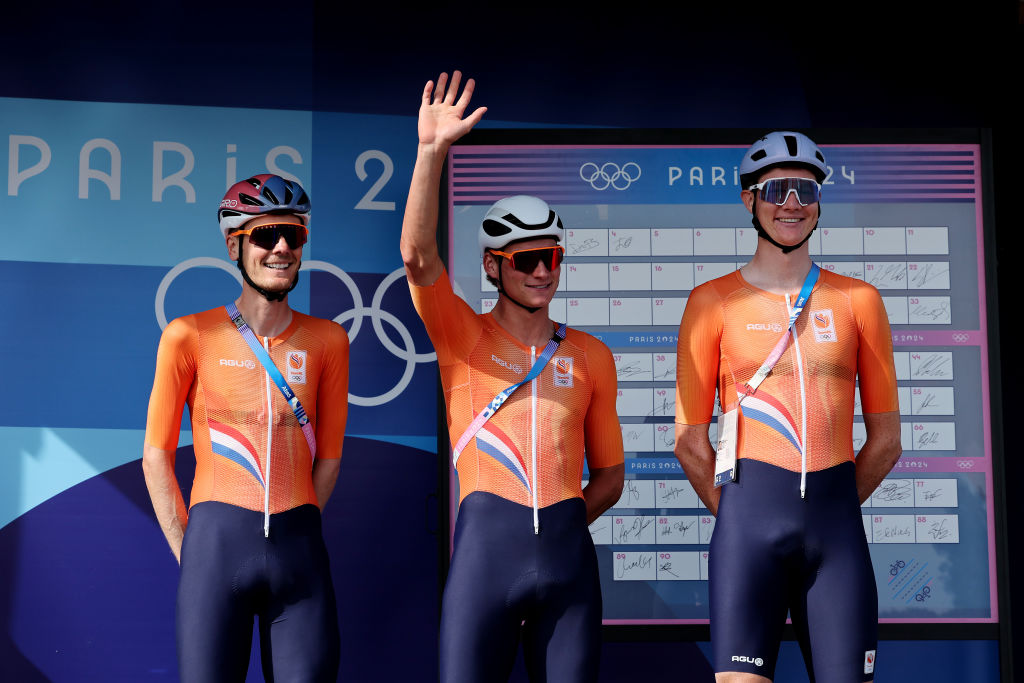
441 115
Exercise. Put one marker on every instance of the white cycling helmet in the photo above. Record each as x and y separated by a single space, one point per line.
518 218
782 148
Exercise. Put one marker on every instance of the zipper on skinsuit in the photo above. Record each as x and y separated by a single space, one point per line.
803 407
270 436
533 441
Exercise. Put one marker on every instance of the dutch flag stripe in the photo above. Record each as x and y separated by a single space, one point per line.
231 444
770 412
498 446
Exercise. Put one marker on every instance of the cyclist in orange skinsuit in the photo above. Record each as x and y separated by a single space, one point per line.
250 543
523 562
789 534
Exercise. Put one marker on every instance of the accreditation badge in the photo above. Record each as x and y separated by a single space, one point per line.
725 455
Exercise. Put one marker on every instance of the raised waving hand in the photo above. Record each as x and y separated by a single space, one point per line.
442 121
441 114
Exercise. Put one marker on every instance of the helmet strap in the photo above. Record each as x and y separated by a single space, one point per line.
501 290
763 234
279 295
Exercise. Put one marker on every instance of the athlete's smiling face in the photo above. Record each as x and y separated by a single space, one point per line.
535 288
787 224
272 269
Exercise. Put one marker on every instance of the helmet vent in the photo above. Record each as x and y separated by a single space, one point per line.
254 182
270 195
248 199
552 217
791 145
820 157
288 194
495 229
758 155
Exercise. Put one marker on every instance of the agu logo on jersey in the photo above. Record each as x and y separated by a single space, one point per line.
869 661
824 325
297 367
563 371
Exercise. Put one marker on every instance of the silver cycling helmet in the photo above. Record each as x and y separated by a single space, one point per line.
782 148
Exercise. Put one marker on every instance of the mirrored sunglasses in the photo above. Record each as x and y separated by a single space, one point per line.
777 190
267 236
526 260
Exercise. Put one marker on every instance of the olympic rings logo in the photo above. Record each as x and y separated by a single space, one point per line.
610 175
377 315
960 337
965 464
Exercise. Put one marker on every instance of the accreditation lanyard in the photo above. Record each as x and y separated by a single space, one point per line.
728 421
268 364
780 346
492 407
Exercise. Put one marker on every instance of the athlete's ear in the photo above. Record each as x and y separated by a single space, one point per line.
491 265
232 244
748 200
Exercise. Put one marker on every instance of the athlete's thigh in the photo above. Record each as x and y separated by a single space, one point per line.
839 629
214 620
299 639
481 612
748 567
562 633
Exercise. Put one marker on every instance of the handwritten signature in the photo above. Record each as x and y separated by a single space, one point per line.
641 561
585 245
893 273
936 365
927 273
892 491
639 525
938 530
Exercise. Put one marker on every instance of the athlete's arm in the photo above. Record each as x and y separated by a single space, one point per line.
603 489
175 372
602 435
325 476
164 492
876 375
332 414
698 355
441 123
880 452
697 456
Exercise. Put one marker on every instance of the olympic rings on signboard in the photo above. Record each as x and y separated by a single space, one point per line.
378 316
610 175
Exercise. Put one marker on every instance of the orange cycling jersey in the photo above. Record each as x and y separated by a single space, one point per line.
728 329
246 438
567 411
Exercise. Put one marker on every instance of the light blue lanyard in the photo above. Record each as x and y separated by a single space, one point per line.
780 346
492 407
268 364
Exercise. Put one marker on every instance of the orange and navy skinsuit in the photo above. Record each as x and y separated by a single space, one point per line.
253 468
772 549
565 415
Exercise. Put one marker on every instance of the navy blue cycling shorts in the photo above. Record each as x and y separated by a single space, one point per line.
506 582
231 573
773 551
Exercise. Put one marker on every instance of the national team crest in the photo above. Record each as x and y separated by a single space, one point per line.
296 367
563 371
824 325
